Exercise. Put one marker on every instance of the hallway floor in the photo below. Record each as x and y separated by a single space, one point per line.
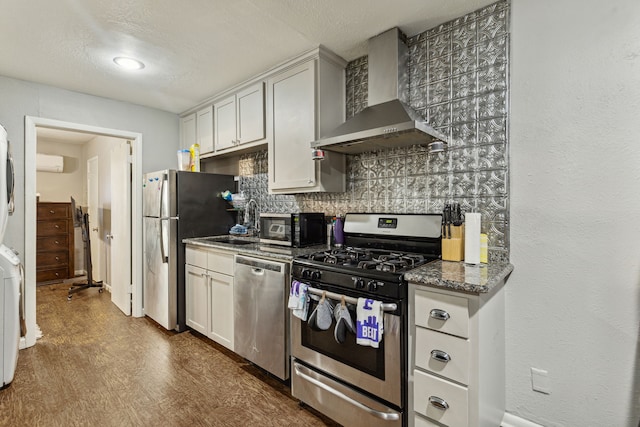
95 366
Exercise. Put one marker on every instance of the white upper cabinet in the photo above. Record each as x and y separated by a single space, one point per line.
225 123
198 128
305 101
204 126
240 118
188 130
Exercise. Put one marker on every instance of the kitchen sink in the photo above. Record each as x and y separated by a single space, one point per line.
230 241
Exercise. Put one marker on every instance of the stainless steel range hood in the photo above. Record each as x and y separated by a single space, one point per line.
388 121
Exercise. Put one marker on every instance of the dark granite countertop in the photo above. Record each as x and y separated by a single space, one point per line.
458 276
254 247
455 276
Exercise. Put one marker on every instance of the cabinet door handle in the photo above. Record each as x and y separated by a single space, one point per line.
440 356
438 314
57 258
439 403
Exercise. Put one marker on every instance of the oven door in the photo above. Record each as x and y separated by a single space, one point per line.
378 371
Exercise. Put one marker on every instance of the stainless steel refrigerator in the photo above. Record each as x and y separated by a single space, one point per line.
177 205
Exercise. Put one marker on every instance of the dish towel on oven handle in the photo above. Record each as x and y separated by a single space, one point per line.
369 326
299 300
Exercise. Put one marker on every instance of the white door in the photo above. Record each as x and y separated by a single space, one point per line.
120 269
95 224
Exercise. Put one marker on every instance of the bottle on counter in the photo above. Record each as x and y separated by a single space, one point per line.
338 231
195 157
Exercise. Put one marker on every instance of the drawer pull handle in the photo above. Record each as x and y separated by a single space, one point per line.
438 314
57 274
57 258
439 403
52 211
56 226
57 243
440 356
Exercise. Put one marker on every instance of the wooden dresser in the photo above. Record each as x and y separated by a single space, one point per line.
54 249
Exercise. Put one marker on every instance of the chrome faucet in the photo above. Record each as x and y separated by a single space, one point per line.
256 215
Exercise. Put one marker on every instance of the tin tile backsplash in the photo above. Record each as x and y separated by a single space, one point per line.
459 82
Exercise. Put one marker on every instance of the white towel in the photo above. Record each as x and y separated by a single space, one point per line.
369 322
299 299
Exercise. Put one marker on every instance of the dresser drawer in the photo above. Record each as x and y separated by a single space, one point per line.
53 243
442 313
52 259
222 262
443 354
53 227
48 211
52 274
440 400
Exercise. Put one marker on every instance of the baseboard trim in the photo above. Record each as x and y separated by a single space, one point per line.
510 420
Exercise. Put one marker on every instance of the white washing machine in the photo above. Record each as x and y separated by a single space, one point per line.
10 288
6 180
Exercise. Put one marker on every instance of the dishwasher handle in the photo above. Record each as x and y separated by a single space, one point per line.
260 264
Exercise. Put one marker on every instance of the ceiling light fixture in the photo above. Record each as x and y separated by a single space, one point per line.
128 63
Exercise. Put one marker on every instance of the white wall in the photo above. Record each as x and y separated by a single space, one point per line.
573 301
20 98
59 187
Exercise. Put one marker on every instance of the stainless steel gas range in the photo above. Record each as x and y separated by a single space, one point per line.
353 384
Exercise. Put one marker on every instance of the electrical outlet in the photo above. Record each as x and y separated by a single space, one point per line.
540 381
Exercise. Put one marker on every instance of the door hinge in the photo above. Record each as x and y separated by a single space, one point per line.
130 290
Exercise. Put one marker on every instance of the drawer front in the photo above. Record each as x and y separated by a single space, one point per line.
53 227
52 274
420 421
221 262
431 393
442 313
50 211
196 256
55 243
443 354
52 259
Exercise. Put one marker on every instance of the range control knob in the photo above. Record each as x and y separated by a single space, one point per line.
306 274
359 283
315 275
372 286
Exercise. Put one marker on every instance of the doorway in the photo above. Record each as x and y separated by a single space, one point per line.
32 125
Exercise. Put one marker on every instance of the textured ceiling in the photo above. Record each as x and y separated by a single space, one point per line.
193 49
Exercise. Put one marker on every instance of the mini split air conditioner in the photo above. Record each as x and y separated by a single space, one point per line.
49 163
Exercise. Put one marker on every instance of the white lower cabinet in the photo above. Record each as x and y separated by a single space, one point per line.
209 290
221 315
456 358
197 291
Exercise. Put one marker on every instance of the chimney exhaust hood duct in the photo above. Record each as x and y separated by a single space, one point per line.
388 121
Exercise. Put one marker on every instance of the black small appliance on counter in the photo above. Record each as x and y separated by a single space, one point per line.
296 229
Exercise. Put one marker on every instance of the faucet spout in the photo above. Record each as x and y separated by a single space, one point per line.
256 215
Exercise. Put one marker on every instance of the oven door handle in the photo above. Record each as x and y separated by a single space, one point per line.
378 414
387 306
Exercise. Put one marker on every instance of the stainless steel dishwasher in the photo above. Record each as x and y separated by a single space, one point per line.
260 313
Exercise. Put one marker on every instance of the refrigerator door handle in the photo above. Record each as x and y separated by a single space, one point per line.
161 210
163 251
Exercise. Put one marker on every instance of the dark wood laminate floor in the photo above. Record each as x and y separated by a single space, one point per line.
95 366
